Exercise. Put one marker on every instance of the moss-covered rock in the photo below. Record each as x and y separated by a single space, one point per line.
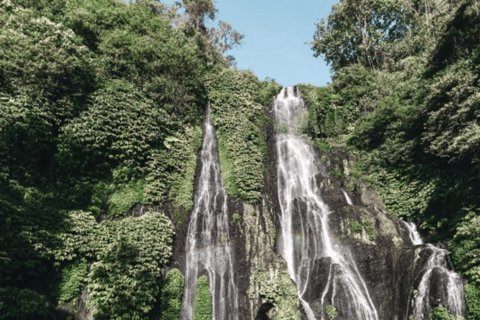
269 278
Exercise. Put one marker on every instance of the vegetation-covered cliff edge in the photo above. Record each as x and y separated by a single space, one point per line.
101 105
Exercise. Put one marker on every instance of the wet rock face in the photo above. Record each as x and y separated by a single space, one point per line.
366 248
391 266
438 287
319 278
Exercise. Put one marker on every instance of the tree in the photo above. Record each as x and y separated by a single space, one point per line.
225 38
359 31
198 11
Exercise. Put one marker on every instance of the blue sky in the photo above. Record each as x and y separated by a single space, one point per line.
275 35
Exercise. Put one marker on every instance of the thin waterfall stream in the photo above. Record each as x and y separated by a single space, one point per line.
305 234
347 197
208 244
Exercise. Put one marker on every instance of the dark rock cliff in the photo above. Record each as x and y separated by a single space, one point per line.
392 267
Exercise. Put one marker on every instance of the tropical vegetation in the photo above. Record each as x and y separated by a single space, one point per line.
404 100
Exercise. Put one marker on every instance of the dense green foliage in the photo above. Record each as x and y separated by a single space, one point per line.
405 101
130 254
465 247
269 88
331 312
277 287
21 304
441 313
203 300
172 292
73 277
472 297
465 251
127 256
100 110
239 120
416 134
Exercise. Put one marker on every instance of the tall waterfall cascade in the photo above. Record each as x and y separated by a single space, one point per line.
305 238
208 243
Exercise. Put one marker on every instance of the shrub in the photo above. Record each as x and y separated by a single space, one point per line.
73 278
239 120
21 304
441 313
123 282
172 292
125 197
269 88
331 312
203 300
465 246
236 217
472 298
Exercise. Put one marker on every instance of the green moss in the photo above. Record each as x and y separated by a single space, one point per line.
331 312
362 230
323 146
369 229
269 276
355 227
73 279
236 217
203 300
336 172
171 294
179 215
275 286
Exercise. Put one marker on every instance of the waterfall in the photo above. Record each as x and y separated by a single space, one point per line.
440 285
413 233
305 241
347 197
208 244
437 282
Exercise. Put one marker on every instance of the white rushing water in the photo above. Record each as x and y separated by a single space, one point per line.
305 235
413 233
208 248
347 197
451 284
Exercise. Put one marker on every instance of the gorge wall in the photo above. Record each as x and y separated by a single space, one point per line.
311 246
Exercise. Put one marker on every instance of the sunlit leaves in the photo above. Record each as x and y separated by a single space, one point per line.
238 119
172 292
130 254
121 126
